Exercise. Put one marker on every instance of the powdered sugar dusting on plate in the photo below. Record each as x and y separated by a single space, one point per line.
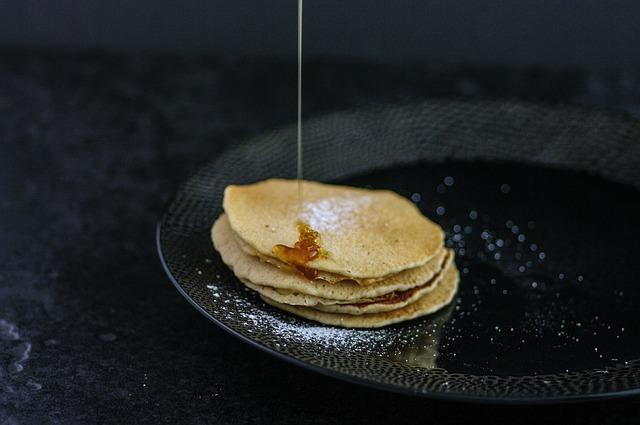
286 328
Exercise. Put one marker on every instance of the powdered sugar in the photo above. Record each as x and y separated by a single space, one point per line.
285 329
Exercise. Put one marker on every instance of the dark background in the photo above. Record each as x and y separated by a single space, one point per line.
550 32
106 106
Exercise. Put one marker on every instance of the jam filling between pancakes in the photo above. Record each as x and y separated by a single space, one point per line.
393 297
306 249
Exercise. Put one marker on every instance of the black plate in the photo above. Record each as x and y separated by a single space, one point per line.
541 205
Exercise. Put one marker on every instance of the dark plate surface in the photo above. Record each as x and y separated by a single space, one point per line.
545 245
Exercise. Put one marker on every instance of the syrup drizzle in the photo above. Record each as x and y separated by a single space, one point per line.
306 249
299 111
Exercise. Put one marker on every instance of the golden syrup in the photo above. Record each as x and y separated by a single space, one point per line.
306 249
392 298
299 109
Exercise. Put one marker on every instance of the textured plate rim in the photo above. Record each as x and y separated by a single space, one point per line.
434 395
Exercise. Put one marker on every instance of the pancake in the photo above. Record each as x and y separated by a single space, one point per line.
251 269
365 234
386 302
429 303
394 301
326 276
331 277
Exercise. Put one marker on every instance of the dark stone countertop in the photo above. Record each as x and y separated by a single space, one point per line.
91 147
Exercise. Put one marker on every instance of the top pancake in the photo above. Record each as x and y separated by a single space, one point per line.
363 233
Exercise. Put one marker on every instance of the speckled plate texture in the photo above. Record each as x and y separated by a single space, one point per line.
540 204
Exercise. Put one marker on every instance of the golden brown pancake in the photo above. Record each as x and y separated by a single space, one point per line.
363 233
326 276
343 256
386 302
251 269
429 303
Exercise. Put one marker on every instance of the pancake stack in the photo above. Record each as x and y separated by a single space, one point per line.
342 256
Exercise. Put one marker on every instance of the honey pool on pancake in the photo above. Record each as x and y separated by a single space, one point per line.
306 249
